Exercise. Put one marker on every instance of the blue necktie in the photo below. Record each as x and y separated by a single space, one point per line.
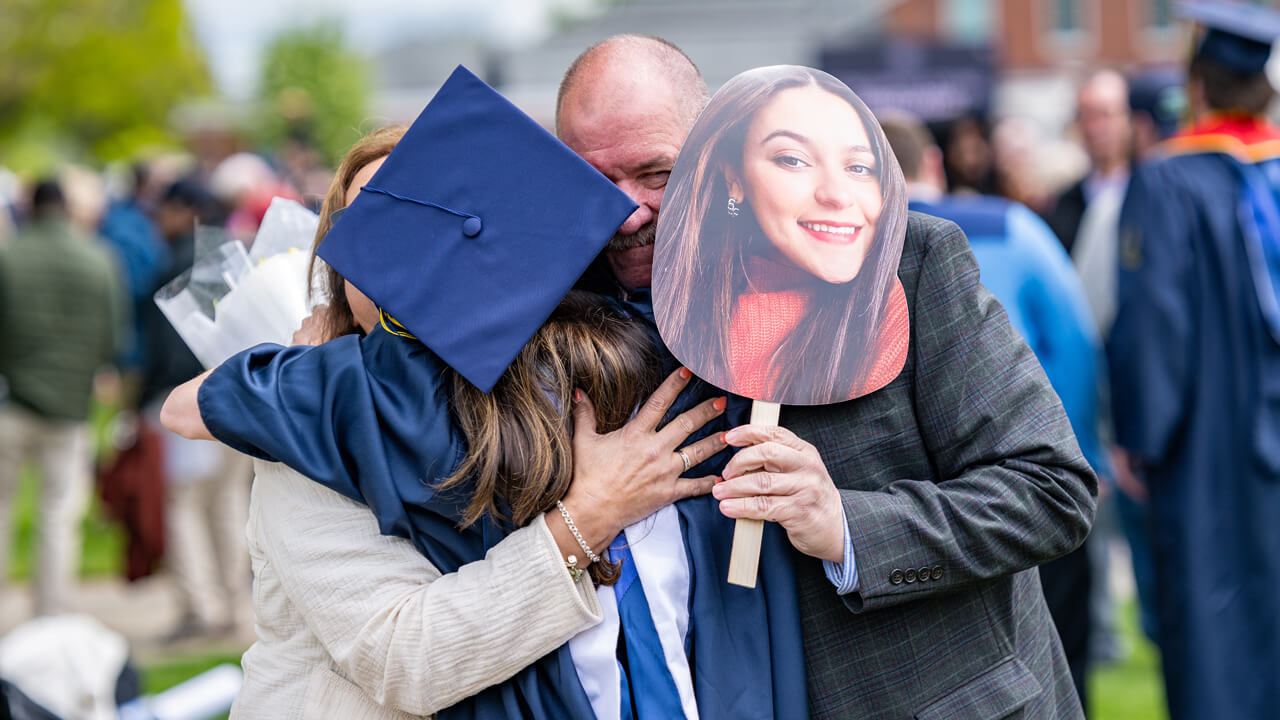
647 684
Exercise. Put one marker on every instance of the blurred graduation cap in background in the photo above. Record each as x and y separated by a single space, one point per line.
1160 93
1237 35
474 228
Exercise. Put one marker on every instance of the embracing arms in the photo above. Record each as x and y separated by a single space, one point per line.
397 628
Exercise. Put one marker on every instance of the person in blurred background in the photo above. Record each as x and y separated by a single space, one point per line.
302 167
1157 102
1106 132
1025 268
245 184
1195 365
1105 129
8 204
207 484
130 231
1157 106
61 310
968 157
1030 168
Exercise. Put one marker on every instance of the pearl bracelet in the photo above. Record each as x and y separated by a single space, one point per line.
568 521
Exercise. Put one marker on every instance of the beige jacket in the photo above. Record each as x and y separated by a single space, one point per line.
353 624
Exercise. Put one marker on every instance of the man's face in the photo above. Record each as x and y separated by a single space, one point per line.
175 220
632 137
1104 121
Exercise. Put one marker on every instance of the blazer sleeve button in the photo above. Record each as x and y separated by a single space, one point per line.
923 573
910 575
895 577
936 573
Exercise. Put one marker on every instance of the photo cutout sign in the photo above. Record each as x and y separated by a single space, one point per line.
775 272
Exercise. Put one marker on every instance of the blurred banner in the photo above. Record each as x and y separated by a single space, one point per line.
934 81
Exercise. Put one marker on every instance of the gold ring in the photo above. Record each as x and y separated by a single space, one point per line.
684 457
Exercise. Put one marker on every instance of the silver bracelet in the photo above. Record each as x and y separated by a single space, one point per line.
592 557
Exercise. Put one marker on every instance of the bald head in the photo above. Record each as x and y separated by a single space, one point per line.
1104 119
626 105
613 69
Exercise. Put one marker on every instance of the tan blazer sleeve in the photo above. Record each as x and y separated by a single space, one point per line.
406 635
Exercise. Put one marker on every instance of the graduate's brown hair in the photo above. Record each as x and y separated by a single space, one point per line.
375 145
519 436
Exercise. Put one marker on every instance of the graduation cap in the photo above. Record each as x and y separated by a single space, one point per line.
1161 94
474 228
1238 36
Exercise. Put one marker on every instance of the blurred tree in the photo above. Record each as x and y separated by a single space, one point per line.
314 90
92 79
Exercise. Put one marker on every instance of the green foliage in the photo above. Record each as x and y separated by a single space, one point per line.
92 79
313 85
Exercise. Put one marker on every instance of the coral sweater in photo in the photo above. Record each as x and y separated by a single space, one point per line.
762 319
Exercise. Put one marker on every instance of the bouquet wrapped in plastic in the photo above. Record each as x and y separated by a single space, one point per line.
233 298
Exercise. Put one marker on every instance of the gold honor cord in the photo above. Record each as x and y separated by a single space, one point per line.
393 326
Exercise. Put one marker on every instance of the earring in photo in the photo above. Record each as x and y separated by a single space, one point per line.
733 207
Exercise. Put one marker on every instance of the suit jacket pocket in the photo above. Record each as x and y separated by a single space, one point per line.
329 695
997 692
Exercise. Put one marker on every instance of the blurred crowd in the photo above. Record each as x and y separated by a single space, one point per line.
82 254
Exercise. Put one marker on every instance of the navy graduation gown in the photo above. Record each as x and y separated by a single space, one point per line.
1195 371
369 418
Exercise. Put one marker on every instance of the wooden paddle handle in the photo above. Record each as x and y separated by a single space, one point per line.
744 560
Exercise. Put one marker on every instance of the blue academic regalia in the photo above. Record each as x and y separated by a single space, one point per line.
1195 365
369 417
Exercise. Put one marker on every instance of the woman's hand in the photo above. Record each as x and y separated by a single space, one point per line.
626 475
314 327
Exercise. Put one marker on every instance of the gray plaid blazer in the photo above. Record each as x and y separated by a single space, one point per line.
958 479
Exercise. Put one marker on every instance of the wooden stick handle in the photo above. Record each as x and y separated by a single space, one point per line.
744 559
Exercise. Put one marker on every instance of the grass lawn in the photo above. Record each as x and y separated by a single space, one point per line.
162 672
1130 689
103 539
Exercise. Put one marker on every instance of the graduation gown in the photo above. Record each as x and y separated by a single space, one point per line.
369 417
1195 367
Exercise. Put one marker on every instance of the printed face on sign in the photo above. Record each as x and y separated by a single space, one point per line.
775 268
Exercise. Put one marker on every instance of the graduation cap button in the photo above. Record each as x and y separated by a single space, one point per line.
471 226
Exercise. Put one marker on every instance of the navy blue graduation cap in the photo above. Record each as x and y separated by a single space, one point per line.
1160 93
1238 35
474 228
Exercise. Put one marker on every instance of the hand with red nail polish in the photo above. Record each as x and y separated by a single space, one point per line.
624 476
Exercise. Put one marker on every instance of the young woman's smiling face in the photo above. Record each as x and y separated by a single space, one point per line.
809 175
